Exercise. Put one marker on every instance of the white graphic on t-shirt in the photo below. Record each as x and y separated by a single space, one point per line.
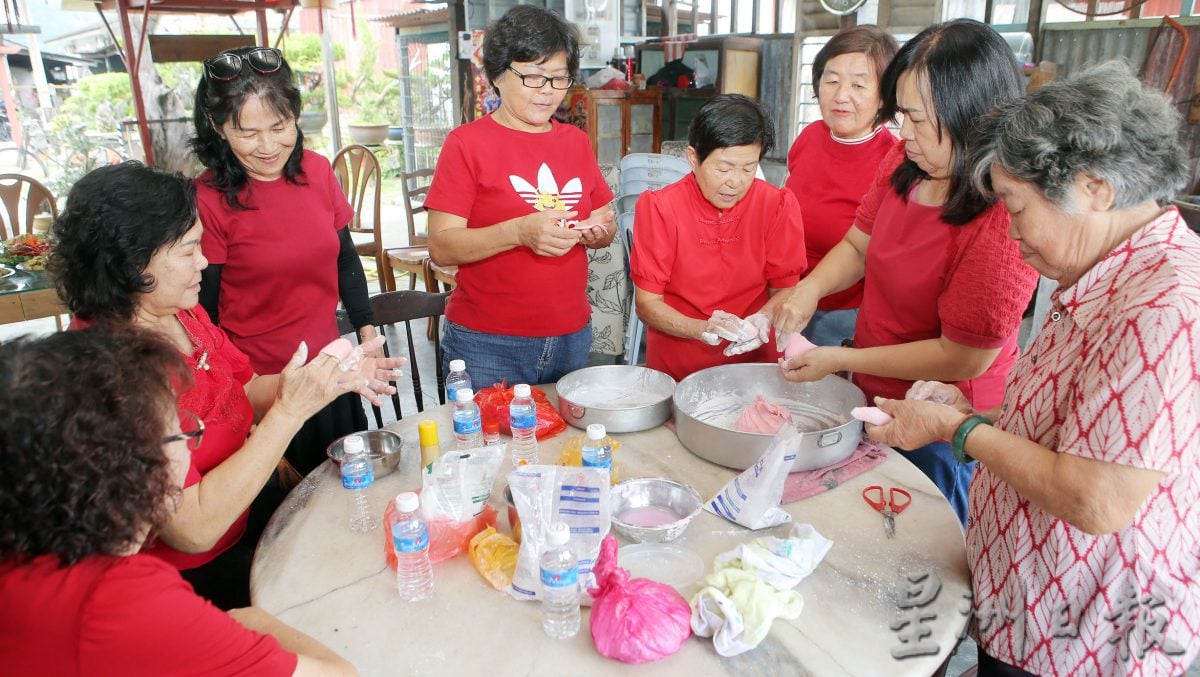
547 196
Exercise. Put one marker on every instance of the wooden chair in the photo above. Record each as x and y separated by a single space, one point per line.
357 170
23 198
414 186
402 307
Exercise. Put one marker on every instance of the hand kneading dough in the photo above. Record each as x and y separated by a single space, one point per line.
338 349
762 417
872 415
797 346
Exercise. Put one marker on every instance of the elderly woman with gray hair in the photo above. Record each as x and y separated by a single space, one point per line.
1084 531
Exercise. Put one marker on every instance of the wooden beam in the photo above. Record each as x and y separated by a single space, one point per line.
192 48
1034 27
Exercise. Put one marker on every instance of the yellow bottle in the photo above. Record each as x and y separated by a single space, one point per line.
427 430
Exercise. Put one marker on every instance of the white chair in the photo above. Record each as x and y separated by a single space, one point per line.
651 174
634 329
654 161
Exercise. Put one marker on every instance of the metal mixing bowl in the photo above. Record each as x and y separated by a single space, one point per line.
708 402
656 492
623 398
383 446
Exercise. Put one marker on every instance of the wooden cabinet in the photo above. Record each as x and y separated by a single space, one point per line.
622 122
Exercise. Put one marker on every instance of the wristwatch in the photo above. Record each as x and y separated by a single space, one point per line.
960 436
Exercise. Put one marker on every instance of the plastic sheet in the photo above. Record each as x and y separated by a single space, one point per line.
493 404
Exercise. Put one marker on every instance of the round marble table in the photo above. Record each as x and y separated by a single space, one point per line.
870 604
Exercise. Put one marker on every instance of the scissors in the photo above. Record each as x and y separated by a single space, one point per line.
873 495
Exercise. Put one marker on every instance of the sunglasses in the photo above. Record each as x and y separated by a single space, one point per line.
228 65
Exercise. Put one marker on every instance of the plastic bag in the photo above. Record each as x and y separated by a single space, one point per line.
493 404
572 454
752 498
495 557
447 538
638 620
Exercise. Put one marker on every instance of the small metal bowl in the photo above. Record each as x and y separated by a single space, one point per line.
654 492
384 447
623 398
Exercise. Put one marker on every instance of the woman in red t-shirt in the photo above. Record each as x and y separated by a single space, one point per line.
514 196
94 458
832 162
945 287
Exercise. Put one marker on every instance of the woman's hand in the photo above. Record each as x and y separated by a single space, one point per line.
793 312
544 234
941 393
305 388
721 326
369 375
915 423
367 334
814 364
598 230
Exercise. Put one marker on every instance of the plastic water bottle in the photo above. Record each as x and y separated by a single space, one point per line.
522 416
597 450
357 475
457 378
560 584
410 537
468 427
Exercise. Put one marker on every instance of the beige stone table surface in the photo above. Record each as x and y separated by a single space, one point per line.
314 574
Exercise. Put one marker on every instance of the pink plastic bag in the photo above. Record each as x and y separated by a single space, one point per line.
635 621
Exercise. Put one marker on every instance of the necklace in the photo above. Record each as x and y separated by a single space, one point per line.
201 363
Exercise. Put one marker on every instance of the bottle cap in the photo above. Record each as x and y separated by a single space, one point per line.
559 534
521 390
595 431
407 502
353 444
463 394
427 431
491 425
458 365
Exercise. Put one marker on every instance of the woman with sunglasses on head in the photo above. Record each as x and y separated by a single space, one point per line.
514 196
128 252
280 254
94 458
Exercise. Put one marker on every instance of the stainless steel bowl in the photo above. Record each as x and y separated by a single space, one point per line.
384 447
654 492
623 398
708 402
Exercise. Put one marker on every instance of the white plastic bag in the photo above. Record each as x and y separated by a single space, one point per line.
457 484
752 498
545 494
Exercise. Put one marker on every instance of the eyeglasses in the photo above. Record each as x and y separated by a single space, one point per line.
191 430
533 81
228 65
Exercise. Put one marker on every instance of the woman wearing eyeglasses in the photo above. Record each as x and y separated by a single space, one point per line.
513 197
94 459
128 252
280 255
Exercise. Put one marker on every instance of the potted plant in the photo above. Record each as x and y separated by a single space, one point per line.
369 127
312 113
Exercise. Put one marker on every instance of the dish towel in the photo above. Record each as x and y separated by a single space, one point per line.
801 485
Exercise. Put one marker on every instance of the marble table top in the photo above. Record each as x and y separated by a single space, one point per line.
312 573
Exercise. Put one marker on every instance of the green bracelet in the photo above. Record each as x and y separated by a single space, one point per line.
960 436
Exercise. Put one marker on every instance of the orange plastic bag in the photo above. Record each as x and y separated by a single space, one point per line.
493 404
495 557
446 539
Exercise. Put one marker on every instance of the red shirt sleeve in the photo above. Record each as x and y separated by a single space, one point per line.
453 187
343 213
988 285
654 238
785 257
864 218
213 241
143 618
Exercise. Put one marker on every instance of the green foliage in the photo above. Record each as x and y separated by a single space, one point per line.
98 102
304 55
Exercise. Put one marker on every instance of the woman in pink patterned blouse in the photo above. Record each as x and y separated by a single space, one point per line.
1084 523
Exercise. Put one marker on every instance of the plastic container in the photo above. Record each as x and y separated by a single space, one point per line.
431 448
357 475
597 449
522 414
468 428
560 584
410 537
456 379
491 432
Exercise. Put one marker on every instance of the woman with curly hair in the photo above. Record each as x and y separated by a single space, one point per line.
275 231
128 251
95 453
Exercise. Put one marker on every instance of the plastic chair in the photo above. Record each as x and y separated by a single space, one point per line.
654 161
24 198
634 329
650 174
414 186
402 307
357 170
626 203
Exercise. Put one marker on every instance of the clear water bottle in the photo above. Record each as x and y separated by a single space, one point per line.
560 584
410 537
468 427
457 378
597 449
522 416
357 475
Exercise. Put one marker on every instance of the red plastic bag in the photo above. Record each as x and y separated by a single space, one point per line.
635 621
493 404
447 539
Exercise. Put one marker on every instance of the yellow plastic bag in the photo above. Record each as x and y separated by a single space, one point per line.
572 454
495 557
